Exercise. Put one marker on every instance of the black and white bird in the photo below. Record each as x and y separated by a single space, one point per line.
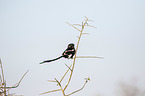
68 53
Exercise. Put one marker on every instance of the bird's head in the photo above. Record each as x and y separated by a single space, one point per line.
71 46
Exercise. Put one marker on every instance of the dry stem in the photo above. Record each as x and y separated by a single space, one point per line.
78 89
3 86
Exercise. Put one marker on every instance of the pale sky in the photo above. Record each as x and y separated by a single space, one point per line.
35 30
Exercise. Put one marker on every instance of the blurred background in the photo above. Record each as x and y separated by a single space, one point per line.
35 30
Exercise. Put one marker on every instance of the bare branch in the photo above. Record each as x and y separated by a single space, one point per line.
88 19
77 24
17 84
65 74
22 77
50 91
91 20
60 86
73 26
78 89
85 33
51 81
91 26
57 82
0 79
89 57
4 89
68 67
2 71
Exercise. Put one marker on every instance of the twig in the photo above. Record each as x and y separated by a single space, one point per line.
89 57
68 67
77 24
3 80
73 26
60 86
65 74
0 79
2 71
85 33
91 26
17 84
50 91
78 89
51 81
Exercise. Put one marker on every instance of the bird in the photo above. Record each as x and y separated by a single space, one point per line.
68 53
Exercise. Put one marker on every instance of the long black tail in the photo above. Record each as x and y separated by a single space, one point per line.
51 60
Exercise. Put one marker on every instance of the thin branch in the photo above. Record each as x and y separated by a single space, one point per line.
5 89
68 67
89 57
78 89
51 81
77 24
17 84
73 26
65 74
2 71
0 79
3 80
83 25
88 19
50 91
60 86
91 26
22 77
85 33
57 82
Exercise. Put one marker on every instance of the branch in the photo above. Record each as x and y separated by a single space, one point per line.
85 33
73 26
81 31
68 67
2 71
77 24
50 91
0 79
60 86
51 81
79 89
65 74
89 57
88 19
91 26
17 84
